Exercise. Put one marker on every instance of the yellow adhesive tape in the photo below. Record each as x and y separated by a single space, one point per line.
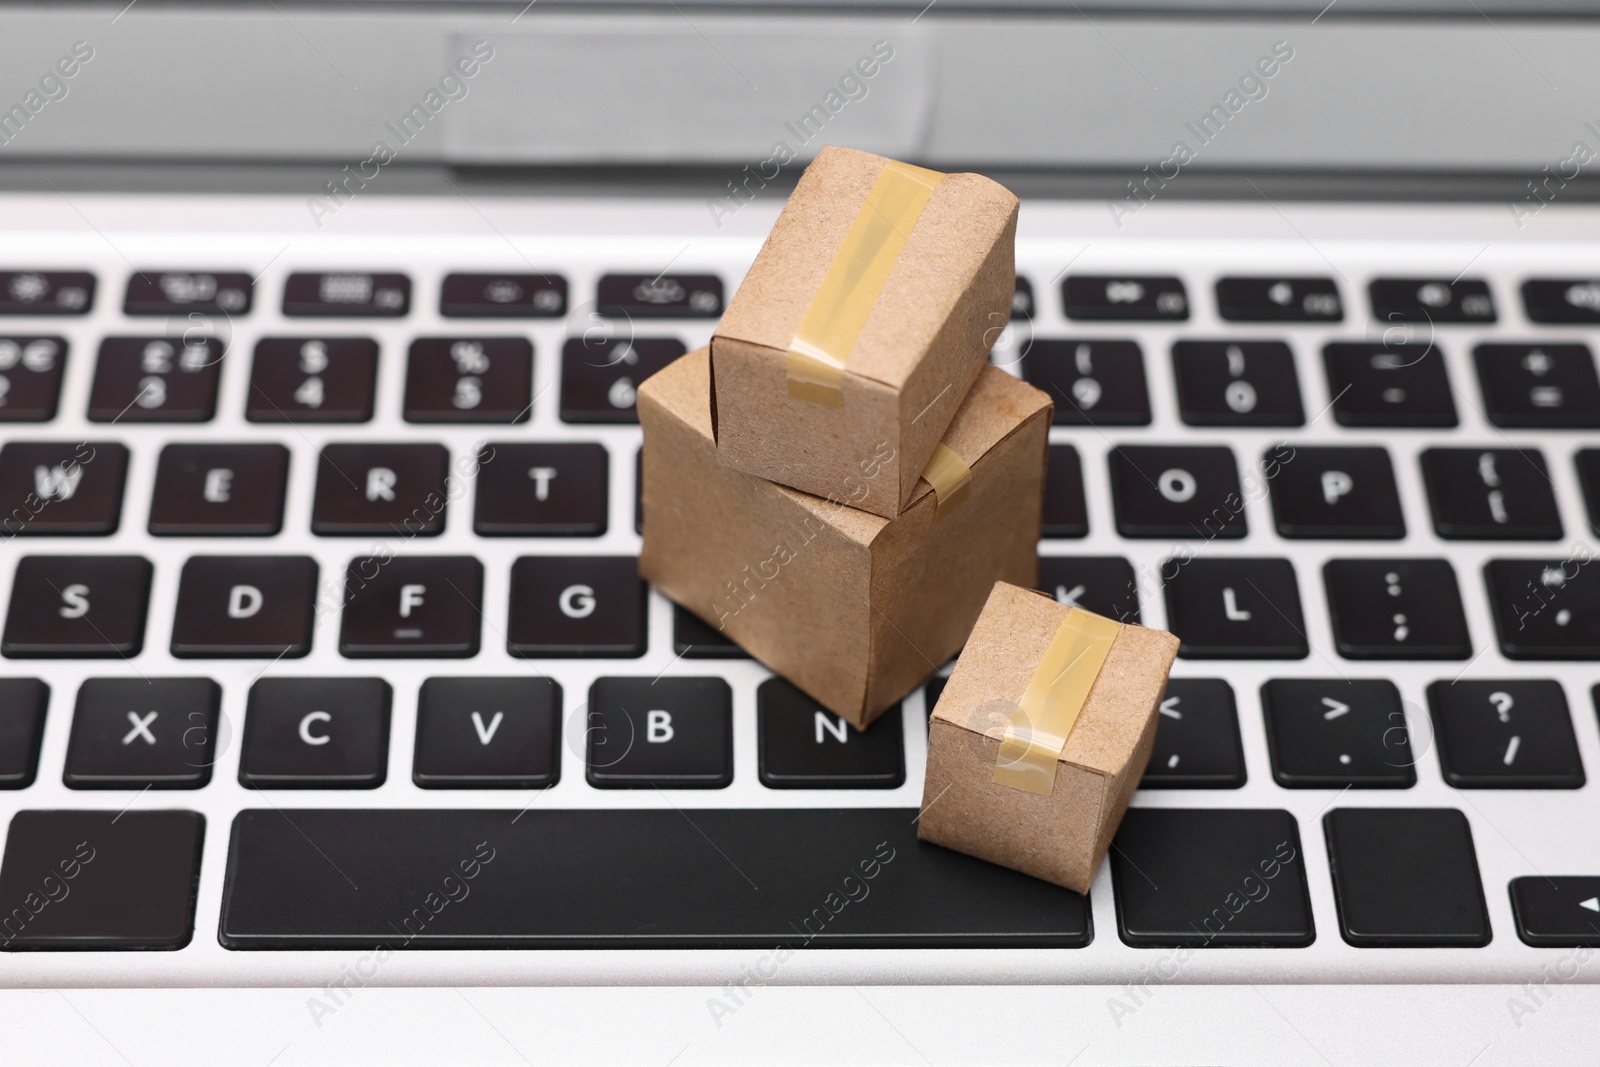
822 344
950 477
1050 706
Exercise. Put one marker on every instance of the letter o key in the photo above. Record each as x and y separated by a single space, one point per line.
1177 485
577 601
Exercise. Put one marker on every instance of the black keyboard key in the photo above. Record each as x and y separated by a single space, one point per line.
1345 493
1539 387
1557 912
30 377
180 293
1210 878
1330 733
1279 299
638 490
1234 608
488 733
1197 738
667 733
77 607
1545 609
1587 460
1022 305
1126 298
113 879
1558 299
22 706
1406 878
469 379
316 733
1511 733
1065 513
661 296
1396 609
220 491
600 379
412 606
46 292
694 638
346 295
1429 300
541 490
381 489
1237 383
1093 383
1398 385
134 733
156 379
1171 491
245 607
313 379
503 296
1491 494
52 488
1104 585
804 746
647 877
577 606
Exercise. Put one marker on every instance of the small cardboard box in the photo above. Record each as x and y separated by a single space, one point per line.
907 365
853 608
1062 836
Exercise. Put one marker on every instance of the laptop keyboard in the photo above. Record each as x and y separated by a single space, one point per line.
323 627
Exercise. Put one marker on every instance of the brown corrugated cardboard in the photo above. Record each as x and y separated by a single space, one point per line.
1061 837
853 608
920 349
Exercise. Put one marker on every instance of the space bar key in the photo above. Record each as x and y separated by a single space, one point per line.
668 878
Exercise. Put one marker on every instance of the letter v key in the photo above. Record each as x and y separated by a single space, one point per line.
486 733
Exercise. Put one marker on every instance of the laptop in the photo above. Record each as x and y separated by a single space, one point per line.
336 725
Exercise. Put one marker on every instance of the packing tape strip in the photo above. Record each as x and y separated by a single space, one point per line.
1051 704
950 477
855 278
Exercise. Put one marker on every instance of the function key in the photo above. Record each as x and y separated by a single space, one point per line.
22 706
1396 609
1406 878
1022 306
316 733
1562 911
667 733
77 607
1279 300
347 295
53 488
1142 298
503 296
130 733
1237 383
1545 608
1162 491
600 379
1094 383
1065 513
1539 387
1197 745
177 292
663 296
219 490
46 292
1511 733
1334 493
1389 385
804 746
30 377
1558 299
1235 608
313 379
1329 733
474 379
541 490
488 733
1491 494
156 379
1102 584
380 489
412 606
1431 300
